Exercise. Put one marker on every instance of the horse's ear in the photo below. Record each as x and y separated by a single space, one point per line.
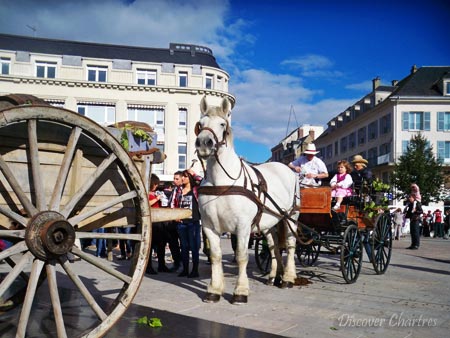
226 107
203 105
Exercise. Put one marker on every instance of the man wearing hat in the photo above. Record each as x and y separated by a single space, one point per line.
311 168
361 173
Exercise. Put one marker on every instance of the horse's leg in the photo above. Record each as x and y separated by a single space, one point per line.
290 272
217 284
240 294
272 243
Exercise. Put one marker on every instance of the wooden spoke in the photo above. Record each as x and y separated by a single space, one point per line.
16 271
35 165
112 202
28 302
14 216
26 203
64 170
83 290
88 184
107 235
99 263
15 249
54 296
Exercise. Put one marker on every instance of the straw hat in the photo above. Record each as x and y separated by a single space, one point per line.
359 159
311 149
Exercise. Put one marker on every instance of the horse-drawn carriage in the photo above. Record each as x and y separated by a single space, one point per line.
346 232
62 178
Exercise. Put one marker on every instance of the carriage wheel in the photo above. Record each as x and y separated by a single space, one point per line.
307 254
263 257
351 253
381 244
64 179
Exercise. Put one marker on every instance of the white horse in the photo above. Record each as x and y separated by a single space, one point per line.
234 197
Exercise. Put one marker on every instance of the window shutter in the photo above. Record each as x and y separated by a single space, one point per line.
440 124
405 121
427 121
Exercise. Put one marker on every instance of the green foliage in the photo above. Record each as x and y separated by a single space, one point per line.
379 202
136 132
418 165
152 322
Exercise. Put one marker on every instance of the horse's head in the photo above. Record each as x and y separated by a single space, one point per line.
213 129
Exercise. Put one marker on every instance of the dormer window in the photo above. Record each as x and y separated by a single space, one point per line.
447 88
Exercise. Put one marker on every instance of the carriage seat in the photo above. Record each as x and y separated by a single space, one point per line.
315 200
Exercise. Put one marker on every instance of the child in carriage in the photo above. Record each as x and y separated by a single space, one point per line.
341 183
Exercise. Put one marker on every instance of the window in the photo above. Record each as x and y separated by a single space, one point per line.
97 73
46 69
182 123
146 77
219 83
329 151
336 148
182 156
443 151
209 79
416 121
101 114
385 148
183 79
385 124
405 145
5 65
447 88
154 117
372 156
443 121
352 140
158 168
362 135
343 144
373 130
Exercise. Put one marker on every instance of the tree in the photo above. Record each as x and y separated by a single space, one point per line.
418 165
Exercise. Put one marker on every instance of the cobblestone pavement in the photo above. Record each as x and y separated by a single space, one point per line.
412 299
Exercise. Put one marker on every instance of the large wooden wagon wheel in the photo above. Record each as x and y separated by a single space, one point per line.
351 253
307 254
63 176
381 242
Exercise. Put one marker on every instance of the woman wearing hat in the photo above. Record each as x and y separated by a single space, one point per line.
311 168
361 173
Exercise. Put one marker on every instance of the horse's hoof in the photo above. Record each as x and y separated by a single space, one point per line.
211 298
270 281
239 299
287 285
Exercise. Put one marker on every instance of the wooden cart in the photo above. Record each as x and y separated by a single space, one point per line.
344 232
62 178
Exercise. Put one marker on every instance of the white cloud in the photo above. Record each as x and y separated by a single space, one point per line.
365 86
264 101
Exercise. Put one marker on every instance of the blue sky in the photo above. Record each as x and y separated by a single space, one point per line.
314 58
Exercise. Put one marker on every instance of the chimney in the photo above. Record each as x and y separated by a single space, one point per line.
394 83
312 134
375 83
413 69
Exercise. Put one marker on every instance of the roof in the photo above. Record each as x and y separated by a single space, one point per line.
177 53
426 81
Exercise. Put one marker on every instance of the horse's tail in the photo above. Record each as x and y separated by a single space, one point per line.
281 234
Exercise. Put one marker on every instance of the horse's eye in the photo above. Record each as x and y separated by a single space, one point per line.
223 125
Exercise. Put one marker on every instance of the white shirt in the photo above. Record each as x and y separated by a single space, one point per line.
315 166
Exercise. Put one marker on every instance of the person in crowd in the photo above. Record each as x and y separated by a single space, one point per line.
341 183
361 174
189 229
438 226
124 245
416 191
398 222
427 219
413 213
158 236
311 168
447 224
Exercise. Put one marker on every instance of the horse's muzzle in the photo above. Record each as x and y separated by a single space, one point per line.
205 146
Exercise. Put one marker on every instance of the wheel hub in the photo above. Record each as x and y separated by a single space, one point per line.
49 235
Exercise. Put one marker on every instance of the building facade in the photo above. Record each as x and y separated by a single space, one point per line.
113 83
381 124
